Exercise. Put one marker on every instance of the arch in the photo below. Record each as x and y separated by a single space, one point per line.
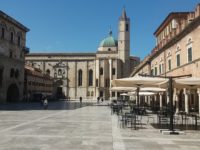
13 93
80 77
48 72
90 77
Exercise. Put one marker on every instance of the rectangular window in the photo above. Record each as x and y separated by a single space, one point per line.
113 94
18 40
1 77
178 60
127 27
101 94
113 71
169 65
190 54
160 69
97 82
11 37
156 71
2 33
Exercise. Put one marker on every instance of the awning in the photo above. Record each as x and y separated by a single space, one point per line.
191 82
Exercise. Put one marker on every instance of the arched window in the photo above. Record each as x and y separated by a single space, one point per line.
12 72
101 71
59 72
48 72
90 77
80 76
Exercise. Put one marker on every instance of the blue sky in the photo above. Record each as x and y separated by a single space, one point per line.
80 25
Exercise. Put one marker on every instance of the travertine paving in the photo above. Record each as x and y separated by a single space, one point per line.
82 128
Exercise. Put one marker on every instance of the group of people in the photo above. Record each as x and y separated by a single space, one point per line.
98 99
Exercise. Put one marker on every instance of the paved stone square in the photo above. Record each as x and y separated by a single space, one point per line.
87 127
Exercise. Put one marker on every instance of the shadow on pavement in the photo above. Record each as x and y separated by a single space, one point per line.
58 105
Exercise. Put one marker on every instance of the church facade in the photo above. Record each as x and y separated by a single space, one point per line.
89 75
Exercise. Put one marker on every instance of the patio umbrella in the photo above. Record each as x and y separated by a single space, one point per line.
153 89
191 82
140 93
139 81
121 89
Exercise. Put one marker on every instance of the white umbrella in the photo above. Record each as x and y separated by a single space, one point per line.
120 89
139 81
191 82
141 93
124 94
153 89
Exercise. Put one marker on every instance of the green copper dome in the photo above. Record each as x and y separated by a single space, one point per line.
109 41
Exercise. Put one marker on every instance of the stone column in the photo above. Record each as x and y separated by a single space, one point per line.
145 99
110 76
161 103
198 91
186 100
176 100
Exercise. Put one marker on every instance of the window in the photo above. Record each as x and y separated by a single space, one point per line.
12 72
18 40
113 94
169 65
59 72
17 73
156 71
113 71
11 37
127 27
160 69
2 33
1 77
101 94
101 71
80 74
90 77
190 54
178 60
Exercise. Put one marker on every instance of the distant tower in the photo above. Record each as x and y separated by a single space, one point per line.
124 43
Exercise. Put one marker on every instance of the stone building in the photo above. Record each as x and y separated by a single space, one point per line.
88 75
12 50
36 84
176 53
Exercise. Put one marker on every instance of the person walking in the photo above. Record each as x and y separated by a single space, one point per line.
45 103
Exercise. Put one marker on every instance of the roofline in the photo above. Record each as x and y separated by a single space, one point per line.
14 21
168 17
61 54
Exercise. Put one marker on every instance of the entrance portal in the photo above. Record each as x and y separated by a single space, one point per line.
13 93
59 93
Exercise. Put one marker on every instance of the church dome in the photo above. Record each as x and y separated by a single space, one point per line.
109 41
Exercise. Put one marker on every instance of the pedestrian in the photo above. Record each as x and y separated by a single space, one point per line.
102 99
45 103
98 99
80 100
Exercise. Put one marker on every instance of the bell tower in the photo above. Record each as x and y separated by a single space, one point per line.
124 43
